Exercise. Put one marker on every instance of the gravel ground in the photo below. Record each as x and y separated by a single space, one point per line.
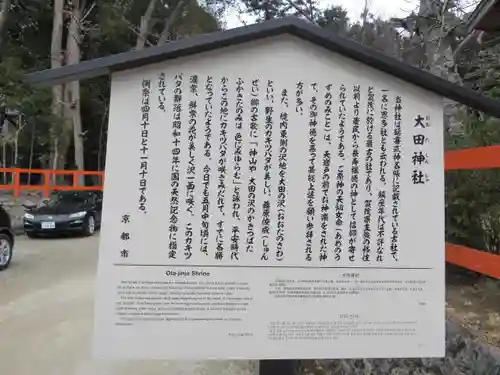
472 342
15 208
464 356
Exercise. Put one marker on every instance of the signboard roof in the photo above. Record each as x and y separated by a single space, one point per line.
291 25
485 16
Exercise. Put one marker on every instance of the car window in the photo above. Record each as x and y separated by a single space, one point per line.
68 198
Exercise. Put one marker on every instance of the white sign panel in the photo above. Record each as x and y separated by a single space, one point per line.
259 208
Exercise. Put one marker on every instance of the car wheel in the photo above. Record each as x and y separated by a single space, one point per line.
31 234
5 251
89 226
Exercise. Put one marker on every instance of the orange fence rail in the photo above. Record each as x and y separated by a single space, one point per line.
474 158
472 259
48 176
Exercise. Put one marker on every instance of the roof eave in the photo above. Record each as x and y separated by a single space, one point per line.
185 47
479 13
293 26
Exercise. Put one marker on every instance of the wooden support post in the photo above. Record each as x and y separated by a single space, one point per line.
46 183
278 367
17 182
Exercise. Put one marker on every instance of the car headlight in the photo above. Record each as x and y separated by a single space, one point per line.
29 216
78 215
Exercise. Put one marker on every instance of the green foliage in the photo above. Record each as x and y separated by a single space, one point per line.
334 19
271 9
28 33
266 9
194 21
110 27
33 103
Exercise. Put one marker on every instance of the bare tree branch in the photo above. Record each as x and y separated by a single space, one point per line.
239 14
490 43
443 12
301 11
467 40
135 31
88 12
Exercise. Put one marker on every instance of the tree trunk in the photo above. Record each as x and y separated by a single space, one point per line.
17 130
4 157
57 147
32 147
145 25
102 142
4 14
165 35
73 98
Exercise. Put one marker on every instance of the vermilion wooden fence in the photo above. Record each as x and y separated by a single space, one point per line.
48 179
475 158
474 260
